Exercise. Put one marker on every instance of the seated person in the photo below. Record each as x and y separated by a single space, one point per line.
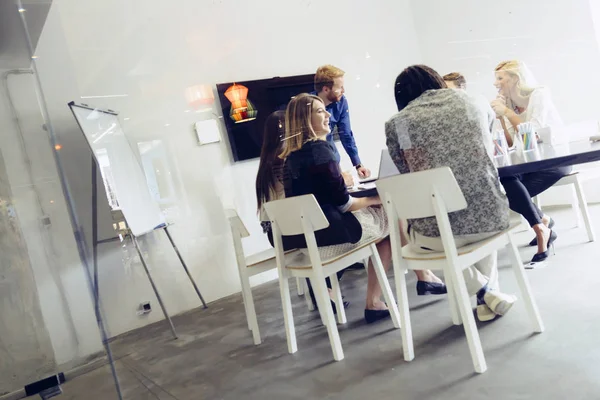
455 80
519 101
431 130
269 183
311 167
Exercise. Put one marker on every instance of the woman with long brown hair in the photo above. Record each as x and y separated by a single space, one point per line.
312 168
269 184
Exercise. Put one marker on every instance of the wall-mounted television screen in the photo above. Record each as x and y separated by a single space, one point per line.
266 96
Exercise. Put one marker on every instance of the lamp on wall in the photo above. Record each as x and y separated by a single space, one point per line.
199 95
242 110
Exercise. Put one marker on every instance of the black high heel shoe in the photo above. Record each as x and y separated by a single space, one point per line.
539 257
550 226
425 288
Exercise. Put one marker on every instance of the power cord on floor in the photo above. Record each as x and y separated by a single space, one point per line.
135 371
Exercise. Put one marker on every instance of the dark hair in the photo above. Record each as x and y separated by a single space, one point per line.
269 168
457 77
413 82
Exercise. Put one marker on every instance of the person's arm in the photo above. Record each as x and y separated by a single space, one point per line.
394 148
347 139
328 181
358 203
504 113
513 118
507 134
345 133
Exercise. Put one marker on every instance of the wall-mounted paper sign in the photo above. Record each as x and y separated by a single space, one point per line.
207 131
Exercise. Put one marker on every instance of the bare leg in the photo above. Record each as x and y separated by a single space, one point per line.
546 220
542 233
373 289
426 275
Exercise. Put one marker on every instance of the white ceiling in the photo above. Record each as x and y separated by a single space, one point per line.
13 46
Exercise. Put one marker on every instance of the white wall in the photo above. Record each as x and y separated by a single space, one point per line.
557 39
151 51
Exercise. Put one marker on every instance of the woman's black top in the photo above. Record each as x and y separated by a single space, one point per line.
314 170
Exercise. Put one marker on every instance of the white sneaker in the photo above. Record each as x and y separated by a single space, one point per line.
499 302
484 314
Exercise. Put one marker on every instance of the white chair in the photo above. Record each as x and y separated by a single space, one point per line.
436 193
303 215
579 203
252 265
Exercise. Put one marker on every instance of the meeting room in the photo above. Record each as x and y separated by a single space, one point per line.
222 199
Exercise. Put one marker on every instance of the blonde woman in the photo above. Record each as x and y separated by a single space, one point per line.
311 167
520 100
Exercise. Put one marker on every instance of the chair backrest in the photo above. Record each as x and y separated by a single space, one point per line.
237 225
412 193
289 213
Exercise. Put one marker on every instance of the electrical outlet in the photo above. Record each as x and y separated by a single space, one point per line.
144 308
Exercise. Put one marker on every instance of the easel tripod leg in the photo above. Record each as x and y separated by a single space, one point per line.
162 306
185 267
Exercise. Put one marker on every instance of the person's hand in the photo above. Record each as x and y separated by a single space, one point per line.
348 179
499 106
363 172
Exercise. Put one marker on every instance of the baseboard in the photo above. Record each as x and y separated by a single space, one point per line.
74 369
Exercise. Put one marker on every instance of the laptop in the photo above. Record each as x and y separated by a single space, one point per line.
386 168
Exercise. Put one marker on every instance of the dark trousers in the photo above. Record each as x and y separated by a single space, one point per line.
522 187
327 281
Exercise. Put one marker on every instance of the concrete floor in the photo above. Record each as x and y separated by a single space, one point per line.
215 358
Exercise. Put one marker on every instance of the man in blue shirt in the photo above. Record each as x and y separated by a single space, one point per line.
329 86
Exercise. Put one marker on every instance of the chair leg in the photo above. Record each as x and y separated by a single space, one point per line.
452 299
322 297
585 212
307 297
250 310
532 309
385 286
339 302
464 304
366 264
288 316
402 296
575 205
537 201
300 286
245 305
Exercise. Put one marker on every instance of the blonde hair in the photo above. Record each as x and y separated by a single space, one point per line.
325 76
516 69
298 127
